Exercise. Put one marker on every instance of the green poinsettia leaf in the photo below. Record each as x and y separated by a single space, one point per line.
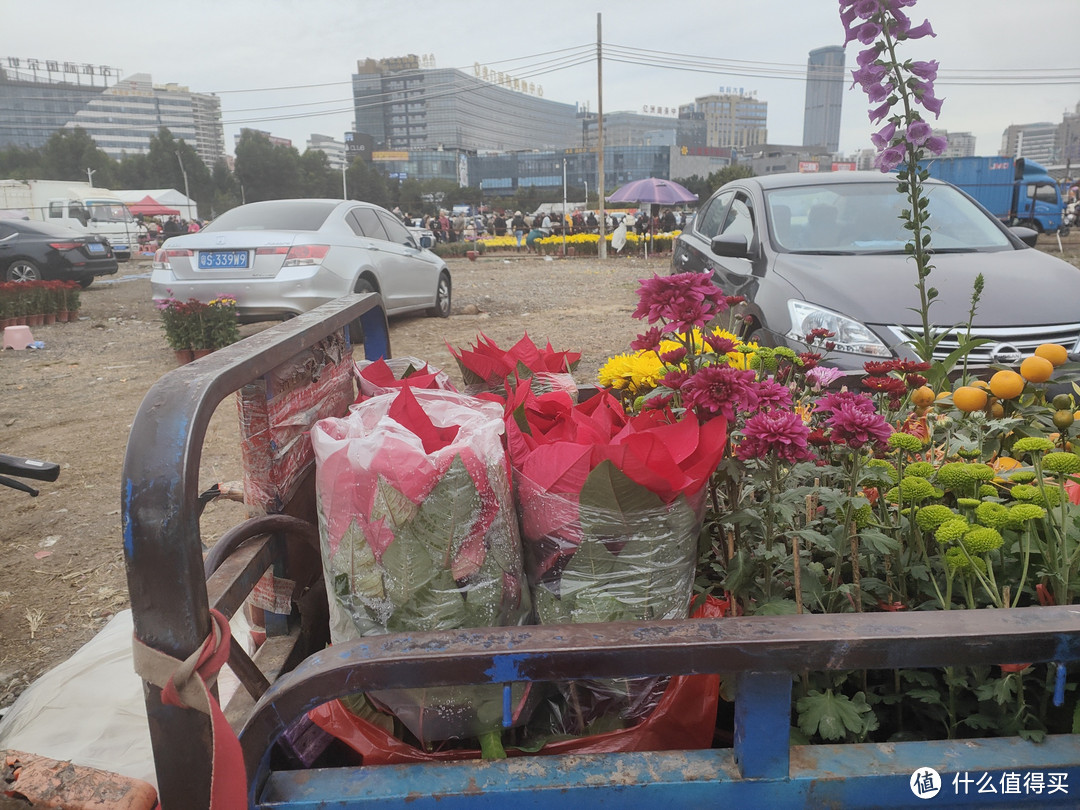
409 567
612 504
550 609
587 569
443 519
776 607
391 506
436 604
354 570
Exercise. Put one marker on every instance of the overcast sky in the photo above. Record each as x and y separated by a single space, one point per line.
242 49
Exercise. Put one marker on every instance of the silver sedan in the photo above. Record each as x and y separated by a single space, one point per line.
280 258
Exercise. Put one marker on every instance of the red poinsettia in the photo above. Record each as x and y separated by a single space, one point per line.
378 377
488 364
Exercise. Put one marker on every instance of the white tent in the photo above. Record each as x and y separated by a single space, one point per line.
169 197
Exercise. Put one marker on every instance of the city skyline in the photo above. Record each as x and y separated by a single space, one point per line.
986 84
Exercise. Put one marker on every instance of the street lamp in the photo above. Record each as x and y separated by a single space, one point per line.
184 172
90 176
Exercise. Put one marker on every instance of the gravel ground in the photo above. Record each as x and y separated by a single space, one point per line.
73 402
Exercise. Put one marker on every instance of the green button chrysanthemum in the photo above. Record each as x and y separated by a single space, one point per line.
959 562
863 516
987 491
785 352
932 516
1028 493
880 471
982 539
957 474
763 359
915 489
951 530
1021 513
1061 463
923 468
992 514
905 441
969 503
1032 444
1022 477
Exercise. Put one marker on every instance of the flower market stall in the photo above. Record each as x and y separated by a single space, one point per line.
717 577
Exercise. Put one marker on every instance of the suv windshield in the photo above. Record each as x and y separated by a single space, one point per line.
861 218
274 216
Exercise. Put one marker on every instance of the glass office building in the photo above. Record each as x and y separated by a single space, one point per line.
121 118
824 98
404 106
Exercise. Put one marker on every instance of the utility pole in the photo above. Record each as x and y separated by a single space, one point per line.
344 192
90 176
601 246
184 172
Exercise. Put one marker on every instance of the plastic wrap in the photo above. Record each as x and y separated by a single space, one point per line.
683 718
276 415
614 552
373 376
419 533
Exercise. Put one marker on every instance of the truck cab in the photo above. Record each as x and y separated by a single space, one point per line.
108 217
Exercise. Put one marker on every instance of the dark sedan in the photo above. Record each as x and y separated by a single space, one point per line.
827 251
36 251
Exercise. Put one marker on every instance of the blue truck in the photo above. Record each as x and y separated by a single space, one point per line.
1015 190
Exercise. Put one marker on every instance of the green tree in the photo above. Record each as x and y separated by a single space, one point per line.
698 185
725 175
226 190
367 183
70 152
410 197
266 171
20 164
316 177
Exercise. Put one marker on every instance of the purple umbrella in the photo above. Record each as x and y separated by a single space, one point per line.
654 191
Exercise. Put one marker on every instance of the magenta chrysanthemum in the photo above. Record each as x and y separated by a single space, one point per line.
720 390
840 399
649 341
772 394
855 426
775 432
682 301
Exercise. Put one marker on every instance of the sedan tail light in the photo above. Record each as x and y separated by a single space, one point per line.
305 254
162 256
65 245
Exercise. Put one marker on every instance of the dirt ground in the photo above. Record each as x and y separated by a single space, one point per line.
62 573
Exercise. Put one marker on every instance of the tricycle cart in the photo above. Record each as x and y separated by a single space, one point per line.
173 591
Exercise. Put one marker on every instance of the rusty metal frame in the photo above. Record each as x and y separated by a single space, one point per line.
160 514
170 604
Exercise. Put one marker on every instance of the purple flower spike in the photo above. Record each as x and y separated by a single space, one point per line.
920 31
883 137
936 144
868 56
931 102
925 70
918 132
890 158
878 113
868 32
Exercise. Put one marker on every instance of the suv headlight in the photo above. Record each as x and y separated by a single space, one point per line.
850 335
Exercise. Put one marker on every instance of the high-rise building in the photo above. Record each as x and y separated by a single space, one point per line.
1036 142
407 104
651 128
824 97
960 144
734 119
1068 139
37 98
333 149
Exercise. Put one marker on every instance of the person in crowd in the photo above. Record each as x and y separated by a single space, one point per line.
499 223
591 223
458 233
520 227
667 221
444 226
